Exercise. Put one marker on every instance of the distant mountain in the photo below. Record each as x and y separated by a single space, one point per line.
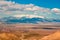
33 20
21 20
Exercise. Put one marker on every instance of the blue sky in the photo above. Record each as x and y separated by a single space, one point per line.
31 8
41 3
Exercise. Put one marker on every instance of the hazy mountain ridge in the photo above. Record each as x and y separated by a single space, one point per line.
26 20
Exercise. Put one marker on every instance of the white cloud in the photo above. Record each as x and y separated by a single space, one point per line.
36 8
35 11
32 8
57 10
28 9
29 16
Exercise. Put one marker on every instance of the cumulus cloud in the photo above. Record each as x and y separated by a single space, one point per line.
30 10
57 10
29 16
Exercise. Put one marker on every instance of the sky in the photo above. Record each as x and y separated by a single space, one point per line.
31 8
41 3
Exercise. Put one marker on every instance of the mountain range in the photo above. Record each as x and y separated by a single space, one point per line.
33 20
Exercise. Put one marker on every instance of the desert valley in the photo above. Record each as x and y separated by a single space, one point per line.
29 32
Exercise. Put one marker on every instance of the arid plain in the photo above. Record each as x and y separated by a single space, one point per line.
43 31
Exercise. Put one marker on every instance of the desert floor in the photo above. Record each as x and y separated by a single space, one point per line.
25 32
